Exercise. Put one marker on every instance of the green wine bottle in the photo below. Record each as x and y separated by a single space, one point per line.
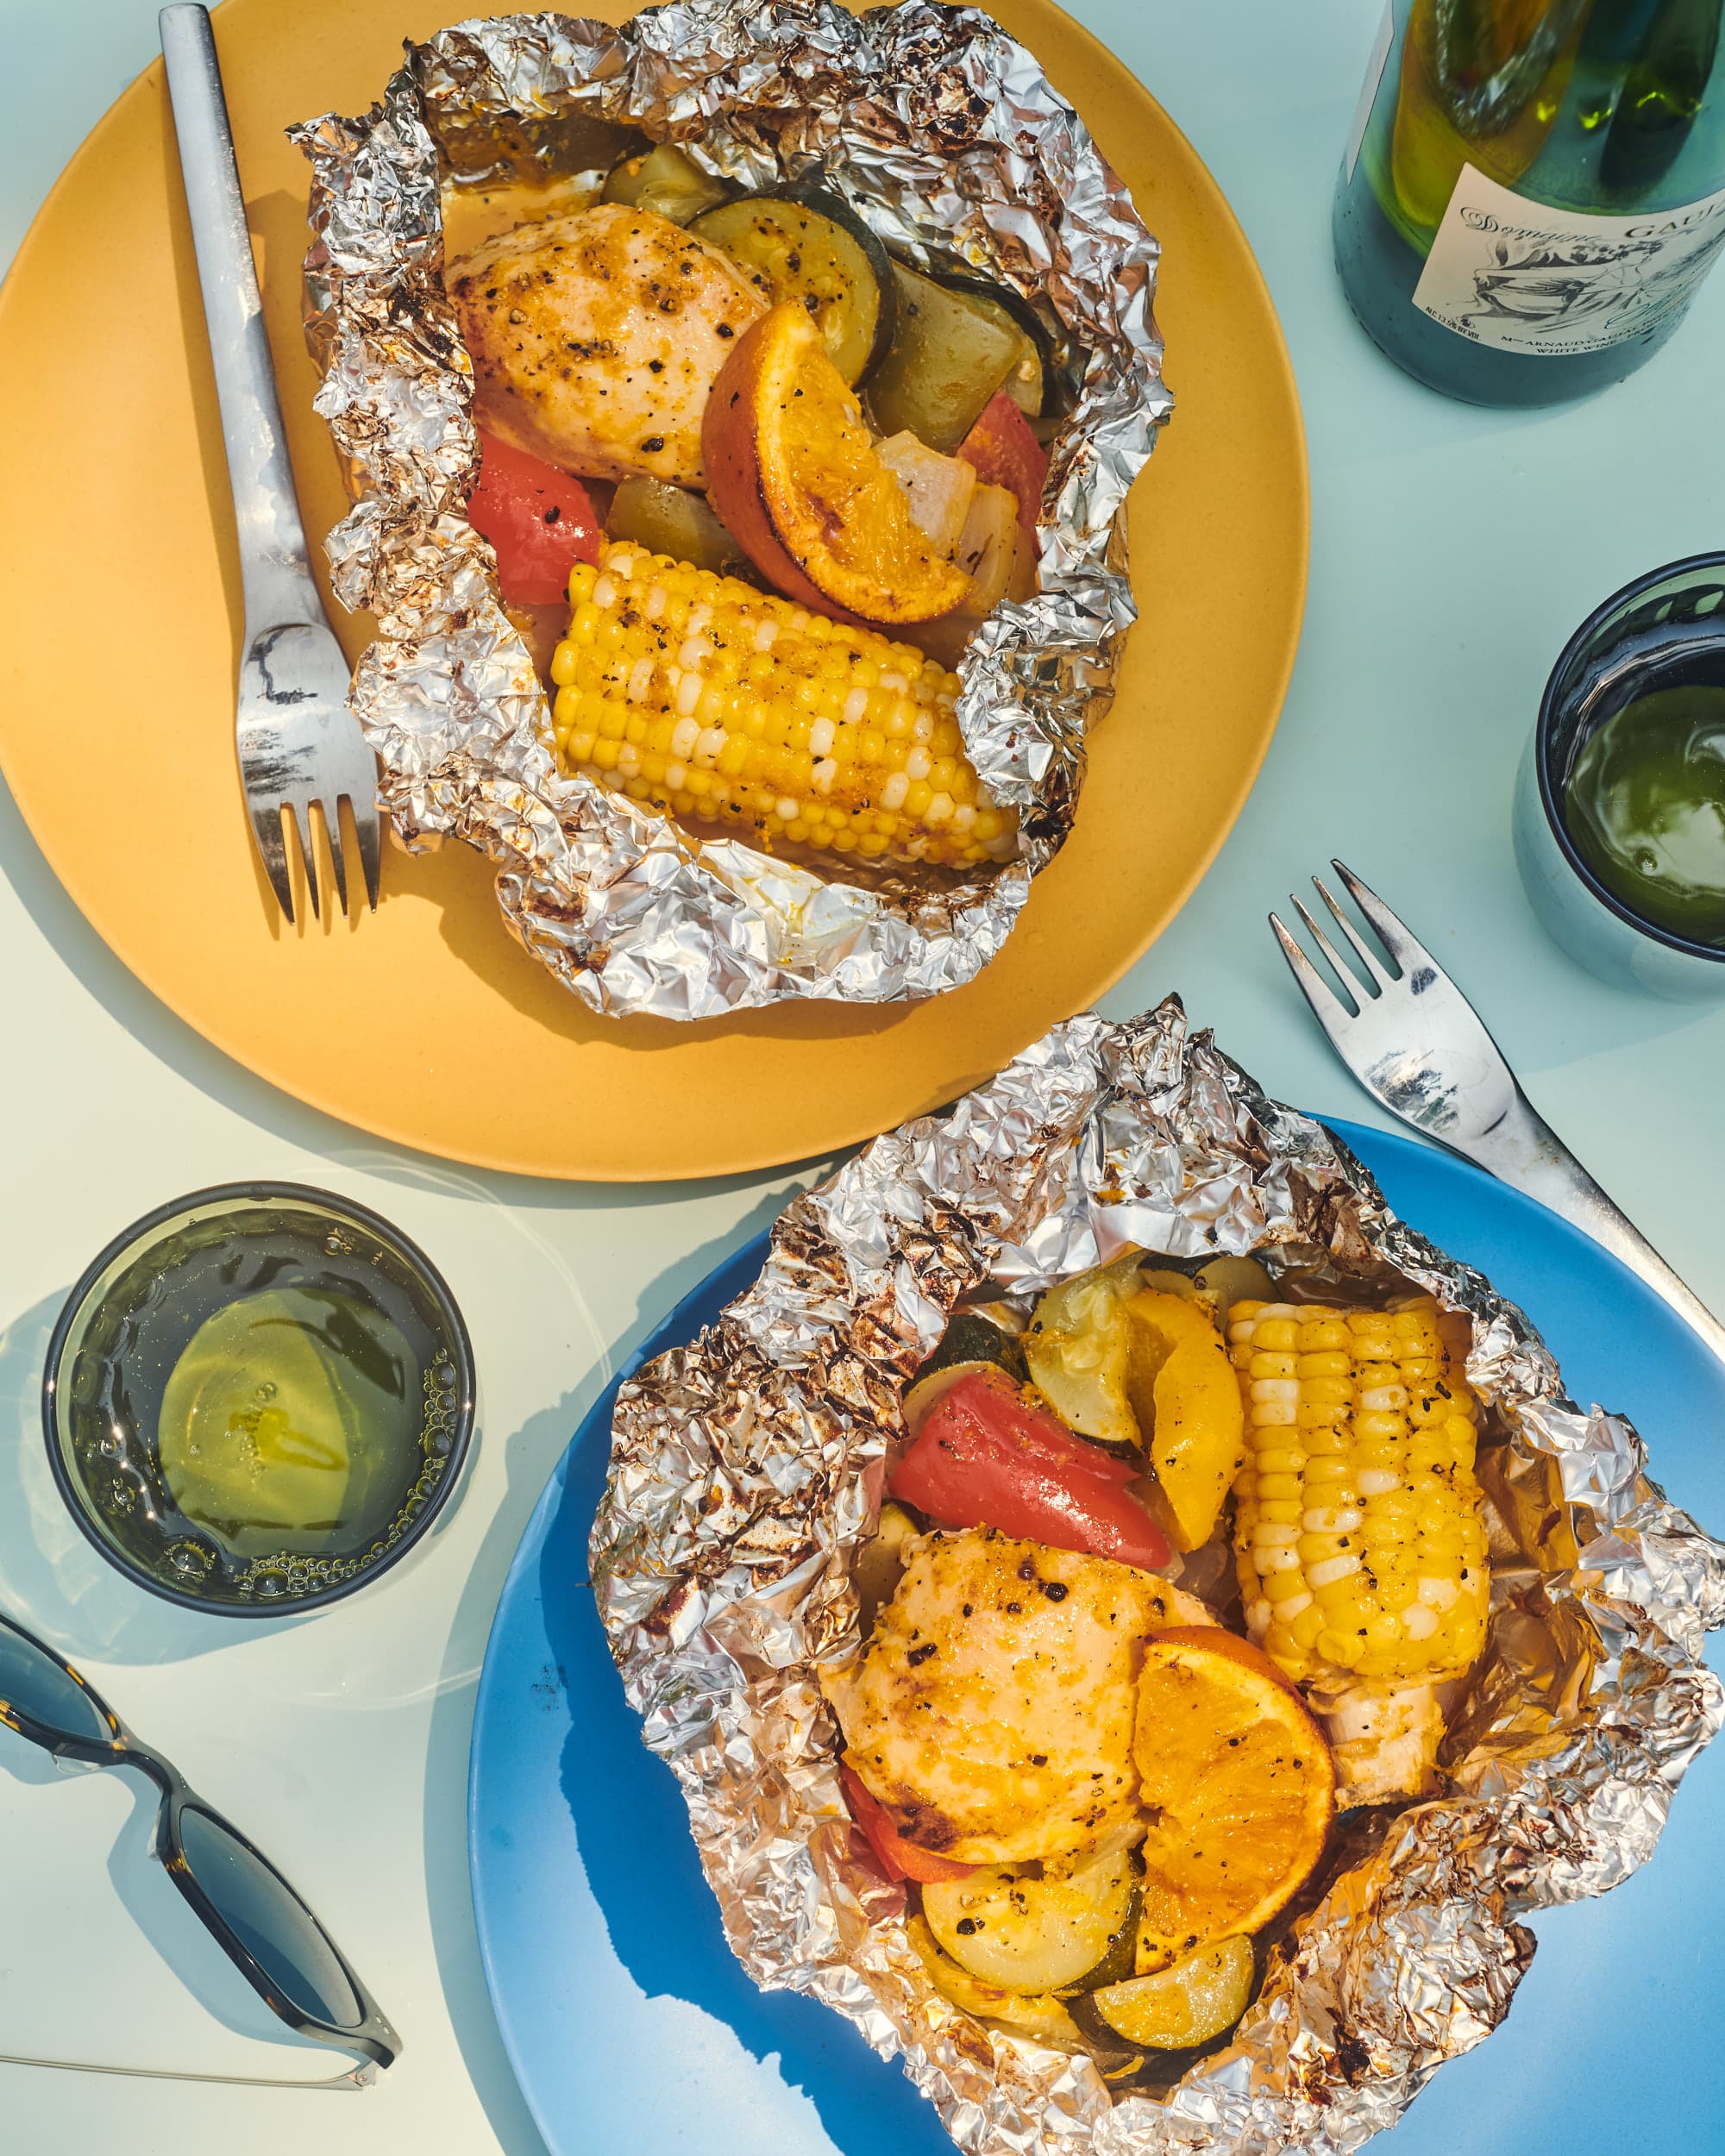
1534 189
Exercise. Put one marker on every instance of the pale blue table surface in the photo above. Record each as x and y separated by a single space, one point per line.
1453 550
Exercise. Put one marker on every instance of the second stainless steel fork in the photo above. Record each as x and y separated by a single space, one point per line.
1416 1045
298 746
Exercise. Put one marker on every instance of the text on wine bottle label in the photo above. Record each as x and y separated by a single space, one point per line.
1549 283
1522 277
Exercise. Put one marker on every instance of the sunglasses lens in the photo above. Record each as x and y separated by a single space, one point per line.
32 1683
272 1922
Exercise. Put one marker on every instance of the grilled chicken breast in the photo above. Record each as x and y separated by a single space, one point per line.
992 1708
595 338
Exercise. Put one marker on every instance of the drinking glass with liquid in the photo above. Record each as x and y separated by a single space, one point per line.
1620 811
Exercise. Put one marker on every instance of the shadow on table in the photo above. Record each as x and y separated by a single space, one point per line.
640 1861
51 1578
633 1831
172 1932
229 1083
531 1455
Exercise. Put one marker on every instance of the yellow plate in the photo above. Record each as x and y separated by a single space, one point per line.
426 1023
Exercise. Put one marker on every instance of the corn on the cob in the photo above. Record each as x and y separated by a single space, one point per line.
1357 1533
700 695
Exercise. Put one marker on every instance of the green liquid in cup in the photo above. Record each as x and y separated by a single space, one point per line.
1645 807
274 1435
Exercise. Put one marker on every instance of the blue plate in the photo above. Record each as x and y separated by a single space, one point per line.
631 2027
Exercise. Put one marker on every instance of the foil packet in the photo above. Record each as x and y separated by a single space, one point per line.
746 1468
949 139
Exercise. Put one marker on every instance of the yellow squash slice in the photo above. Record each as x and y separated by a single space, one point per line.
1186 1402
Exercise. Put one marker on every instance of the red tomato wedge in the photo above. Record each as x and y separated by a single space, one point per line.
1006 452
539 523
988 1456
898 1858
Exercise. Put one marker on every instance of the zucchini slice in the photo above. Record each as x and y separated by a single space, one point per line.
809 245
1170 1282
1196 2000
1030 385
971 1342
947 359
668 519
1076 1351
1011 1317
1218 1282
666 181
881 1563
1027 1934
1227 1280
1121 1959
1038 2014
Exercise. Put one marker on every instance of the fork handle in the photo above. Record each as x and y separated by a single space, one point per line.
1524 1149
274 570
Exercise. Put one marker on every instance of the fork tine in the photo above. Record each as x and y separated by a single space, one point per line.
1351 985
366 833
1326 1006
330 814
1406 949
266 830
1368 958
305 852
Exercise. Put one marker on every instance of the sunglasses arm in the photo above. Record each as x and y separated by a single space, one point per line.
360 2076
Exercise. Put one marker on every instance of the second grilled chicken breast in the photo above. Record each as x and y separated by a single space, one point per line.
595 338
992 1708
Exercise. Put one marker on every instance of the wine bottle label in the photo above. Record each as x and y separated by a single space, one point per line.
1521 277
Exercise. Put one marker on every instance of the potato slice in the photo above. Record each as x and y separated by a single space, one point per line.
938 488
946 359
1185 1400
666 181
988 547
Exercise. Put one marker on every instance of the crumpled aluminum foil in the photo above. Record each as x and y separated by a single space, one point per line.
746 1467
948 136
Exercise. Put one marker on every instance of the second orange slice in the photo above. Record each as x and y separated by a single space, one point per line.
1238 1784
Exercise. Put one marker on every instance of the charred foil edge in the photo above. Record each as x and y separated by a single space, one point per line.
739 1487
951 138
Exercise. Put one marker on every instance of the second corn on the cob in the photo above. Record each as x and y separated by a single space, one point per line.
697 694
1359 1536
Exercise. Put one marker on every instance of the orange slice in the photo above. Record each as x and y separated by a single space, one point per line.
1238 1785
792 472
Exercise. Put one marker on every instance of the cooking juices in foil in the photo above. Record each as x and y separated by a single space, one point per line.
950 140
745 1471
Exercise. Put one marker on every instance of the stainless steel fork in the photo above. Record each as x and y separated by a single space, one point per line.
298 746
1416 1045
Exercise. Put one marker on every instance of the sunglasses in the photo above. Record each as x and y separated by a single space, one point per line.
261 1925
